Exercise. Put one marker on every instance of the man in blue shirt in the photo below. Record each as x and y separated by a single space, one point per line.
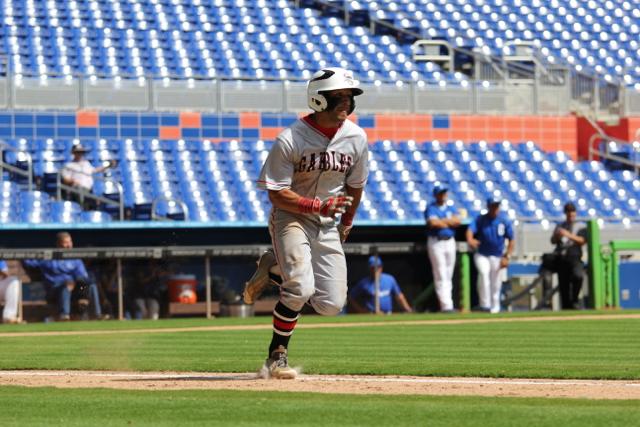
9 294
363 295
442 220
487 235
67 278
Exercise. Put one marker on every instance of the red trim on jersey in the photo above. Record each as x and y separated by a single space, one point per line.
328 132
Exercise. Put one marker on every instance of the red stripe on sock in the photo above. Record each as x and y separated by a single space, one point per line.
282 325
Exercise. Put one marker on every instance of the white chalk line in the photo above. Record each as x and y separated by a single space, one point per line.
325 378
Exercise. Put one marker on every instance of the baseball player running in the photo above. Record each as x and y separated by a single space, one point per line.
315 171
442 221
487 235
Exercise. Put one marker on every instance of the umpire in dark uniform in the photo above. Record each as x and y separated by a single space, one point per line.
566 260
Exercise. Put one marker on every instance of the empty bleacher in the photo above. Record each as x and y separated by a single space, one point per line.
216 181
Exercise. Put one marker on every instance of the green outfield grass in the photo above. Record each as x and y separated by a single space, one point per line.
81 407
603 348
223 321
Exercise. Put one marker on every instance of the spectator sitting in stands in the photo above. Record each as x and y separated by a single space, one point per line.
78 173
363 296
9 294
67 281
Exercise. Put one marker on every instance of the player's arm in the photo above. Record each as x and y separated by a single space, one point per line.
354 299
357 307
472 241
402 302
346 221
65 175
454 221
437 223
576 238
557 235
291 201
105 166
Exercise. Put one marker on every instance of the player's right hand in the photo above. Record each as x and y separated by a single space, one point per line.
334 205
473 243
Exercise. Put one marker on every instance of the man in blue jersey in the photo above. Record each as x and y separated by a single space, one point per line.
363 295
442 220
487 235
67 279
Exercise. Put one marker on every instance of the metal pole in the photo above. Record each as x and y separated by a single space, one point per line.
465 282
285 105
58 189
82 89
613 273
376 281
207 282
615 277
30 171
595 264
150 93
10 85
120 290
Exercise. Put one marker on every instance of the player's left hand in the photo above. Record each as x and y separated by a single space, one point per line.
344 231
335 205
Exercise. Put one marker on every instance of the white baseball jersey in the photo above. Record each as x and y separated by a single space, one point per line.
80 172
308 163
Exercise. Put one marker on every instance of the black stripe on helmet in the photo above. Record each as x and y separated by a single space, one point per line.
326 75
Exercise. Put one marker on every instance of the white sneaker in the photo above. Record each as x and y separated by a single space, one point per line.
260 280
278 365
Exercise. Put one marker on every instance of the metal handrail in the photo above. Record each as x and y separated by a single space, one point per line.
154 204
605 154
84 193
11 168
428 57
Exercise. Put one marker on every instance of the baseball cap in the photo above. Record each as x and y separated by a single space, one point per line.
79 148
439 189
493 201
375 261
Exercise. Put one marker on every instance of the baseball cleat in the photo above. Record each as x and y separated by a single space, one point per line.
260 280
278 365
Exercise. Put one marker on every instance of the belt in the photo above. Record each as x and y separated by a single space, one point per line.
441 238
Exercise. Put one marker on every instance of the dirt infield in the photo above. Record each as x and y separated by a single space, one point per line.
349 384
328 325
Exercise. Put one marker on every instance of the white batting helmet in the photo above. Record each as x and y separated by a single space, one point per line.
329 79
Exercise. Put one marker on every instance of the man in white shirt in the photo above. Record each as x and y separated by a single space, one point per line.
9 294
78 173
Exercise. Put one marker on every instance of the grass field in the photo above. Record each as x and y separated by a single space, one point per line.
577 348
45 406
605 349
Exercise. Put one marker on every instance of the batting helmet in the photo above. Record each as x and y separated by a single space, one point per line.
329 79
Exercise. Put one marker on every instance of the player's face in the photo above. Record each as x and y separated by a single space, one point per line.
343 106
374 270
65 243
441 198
494 210
571 216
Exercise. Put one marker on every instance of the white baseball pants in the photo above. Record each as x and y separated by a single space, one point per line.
311 261
10 296
490 277
442 254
